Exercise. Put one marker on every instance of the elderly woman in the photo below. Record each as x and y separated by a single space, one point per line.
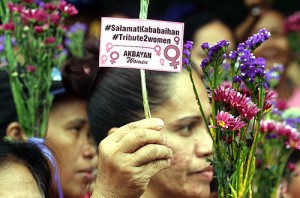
114 99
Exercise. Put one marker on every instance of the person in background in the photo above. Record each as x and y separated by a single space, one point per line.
276 50
69 138
114 99
290 187
24 170
205 27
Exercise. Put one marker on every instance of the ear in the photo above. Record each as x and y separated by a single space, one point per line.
14 131
112 130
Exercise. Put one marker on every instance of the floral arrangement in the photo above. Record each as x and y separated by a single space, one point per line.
238 106
292 29
37 27
279 137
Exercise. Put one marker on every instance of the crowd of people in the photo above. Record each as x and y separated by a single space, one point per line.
99 144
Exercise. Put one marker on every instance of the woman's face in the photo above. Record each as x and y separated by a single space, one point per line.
16 180
68 136
189 174
211 33
293 189
276 49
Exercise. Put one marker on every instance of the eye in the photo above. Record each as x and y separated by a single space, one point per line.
187 129
76 128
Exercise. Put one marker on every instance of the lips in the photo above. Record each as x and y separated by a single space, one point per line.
87 174
205 174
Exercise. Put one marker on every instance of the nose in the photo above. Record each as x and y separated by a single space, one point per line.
203 147
89 151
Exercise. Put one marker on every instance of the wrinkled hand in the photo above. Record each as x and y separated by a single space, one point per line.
129 157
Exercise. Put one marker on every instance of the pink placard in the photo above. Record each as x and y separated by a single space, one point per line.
141 44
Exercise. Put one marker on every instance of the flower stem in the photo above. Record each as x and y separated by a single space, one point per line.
143 15
198 100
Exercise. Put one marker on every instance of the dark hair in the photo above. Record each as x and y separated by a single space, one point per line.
31 156
114 95
195 21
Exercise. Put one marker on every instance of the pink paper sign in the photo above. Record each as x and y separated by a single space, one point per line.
141 44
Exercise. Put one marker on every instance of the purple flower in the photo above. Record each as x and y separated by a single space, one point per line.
257 39
77 27
1 48
233 55
187 53
205 62
188 45
185 61
205 46
237 79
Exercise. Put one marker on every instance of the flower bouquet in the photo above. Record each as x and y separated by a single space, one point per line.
37 28
239 101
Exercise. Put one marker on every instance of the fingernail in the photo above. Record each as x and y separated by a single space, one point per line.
171 153
160 123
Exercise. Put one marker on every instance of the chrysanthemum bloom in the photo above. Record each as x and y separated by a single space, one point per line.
236 100
293 143
269 99
267 126
227 121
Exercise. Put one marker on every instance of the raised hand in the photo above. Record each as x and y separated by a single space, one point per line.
129 157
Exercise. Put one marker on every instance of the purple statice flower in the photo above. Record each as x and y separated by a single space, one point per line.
215 53
205 62
205 46
274 73
257 39
188 45
13 41
67 42
3 43
236 79
3 62
40 3
293 122
187 53
219 47
252 69
225 65
227 121
186 61
1 48
233 55
77 27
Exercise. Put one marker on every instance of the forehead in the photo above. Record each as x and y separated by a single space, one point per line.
182 101
270 20
212 33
